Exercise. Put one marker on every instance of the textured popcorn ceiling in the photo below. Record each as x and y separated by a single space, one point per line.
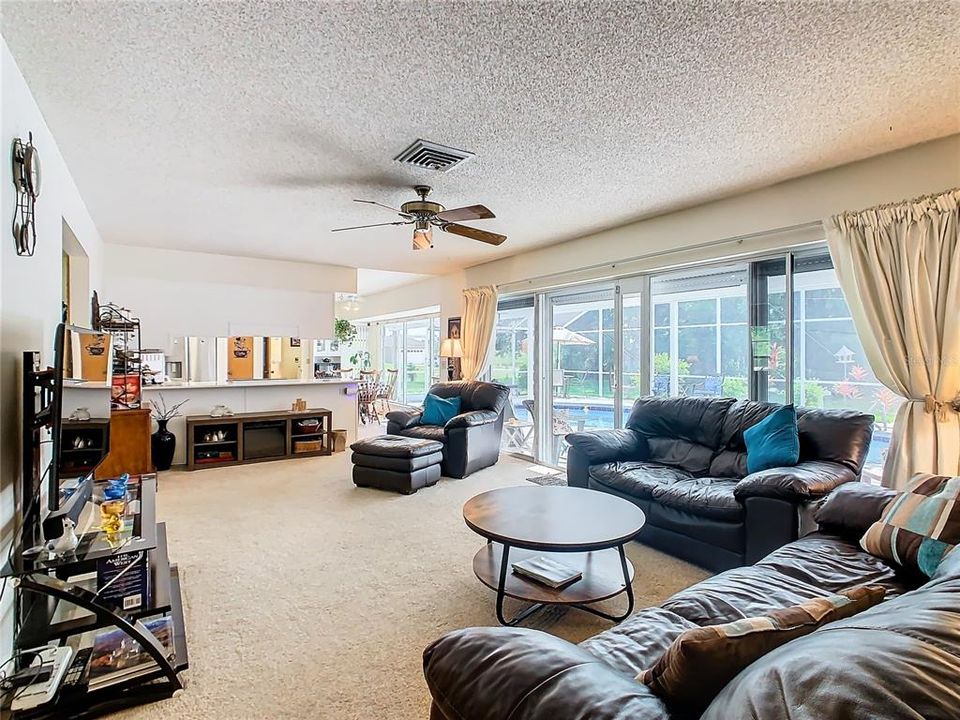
247 127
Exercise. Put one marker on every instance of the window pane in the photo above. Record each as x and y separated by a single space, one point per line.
661 344
833 351
700 354
697 347
733 343
733 309
661 315
825 303
830 364
585 321
697 312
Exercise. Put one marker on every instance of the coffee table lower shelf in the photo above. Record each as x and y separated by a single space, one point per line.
606 574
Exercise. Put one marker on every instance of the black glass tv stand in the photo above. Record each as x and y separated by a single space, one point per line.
57 603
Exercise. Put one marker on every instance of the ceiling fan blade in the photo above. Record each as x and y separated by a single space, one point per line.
474 234
361 227
423 239
472 212
386 207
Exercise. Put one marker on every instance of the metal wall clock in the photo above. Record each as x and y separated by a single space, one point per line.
26 179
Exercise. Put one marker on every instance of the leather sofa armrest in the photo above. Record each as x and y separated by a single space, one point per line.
853 507
403 419
808 480
497 673
472 419
600 446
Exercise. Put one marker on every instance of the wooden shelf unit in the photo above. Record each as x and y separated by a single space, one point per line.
233 450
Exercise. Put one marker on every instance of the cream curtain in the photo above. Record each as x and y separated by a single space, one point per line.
899 266
479 317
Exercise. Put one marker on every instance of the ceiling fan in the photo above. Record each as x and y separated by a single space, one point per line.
425 215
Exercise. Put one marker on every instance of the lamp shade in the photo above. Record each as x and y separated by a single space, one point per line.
451 348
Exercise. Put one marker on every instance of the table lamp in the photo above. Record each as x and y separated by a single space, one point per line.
451 348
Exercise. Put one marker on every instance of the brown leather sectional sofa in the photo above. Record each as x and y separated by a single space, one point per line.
900 659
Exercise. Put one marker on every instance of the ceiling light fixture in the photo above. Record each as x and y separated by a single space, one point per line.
348 302
423 236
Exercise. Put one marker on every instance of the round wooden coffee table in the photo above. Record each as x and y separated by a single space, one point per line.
586 529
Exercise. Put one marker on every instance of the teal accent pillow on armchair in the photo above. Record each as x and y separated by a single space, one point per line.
774 441
438 410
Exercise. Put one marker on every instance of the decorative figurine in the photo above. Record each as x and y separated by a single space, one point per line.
66 543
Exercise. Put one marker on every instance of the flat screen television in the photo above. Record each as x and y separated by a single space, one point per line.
79 419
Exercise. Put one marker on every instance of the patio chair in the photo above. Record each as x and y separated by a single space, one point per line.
561 426
661 385
713 386
519 433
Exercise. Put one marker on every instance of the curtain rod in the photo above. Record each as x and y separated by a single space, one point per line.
738 239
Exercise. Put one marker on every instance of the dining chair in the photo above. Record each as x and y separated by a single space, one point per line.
367 401
387 389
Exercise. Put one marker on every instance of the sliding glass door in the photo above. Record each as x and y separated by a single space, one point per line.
771 347
830 368
774 329
634 357
410 350
582 378
416 368
512 365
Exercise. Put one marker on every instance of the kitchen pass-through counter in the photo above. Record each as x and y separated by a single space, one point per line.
242 396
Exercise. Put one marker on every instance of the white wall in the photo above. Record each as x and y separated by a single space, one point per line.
905 174
177 293
30 287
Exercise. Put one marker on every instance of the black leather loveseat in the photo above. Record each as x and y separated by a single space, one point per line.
471 440
683 461
899 659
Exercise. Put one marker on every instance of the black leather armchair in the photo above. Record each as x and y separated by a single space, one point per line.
684 463
471 440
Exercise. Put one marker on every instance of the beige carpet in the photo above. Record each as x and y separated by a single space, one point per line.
309 598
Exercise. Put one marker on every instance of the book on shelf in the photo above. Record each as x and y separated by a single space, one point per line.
117 657
547 571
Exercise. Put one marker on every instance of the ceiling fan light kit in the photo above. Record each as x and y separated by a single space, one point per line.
425 215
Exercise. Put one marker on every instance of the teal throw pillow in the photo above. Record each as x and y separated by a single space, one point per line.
774 441
438 410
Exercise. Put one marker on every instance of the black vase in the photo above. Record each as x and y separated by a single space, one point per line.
162 444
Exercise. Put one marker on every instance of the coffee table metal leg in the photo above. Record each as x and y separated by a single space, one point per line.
523 614
629 590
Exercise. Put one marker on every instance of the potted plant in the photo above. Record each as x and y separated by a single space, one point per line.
344 331
360 359
163 443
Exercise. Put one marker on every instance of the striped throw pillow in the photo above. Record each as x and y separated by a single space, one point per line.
702 660
920 525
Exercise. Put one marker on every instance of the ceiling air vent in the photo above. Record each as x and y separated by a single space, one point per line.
432 156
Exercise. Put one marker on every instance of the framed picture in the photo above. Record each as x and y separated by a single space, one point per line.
453 328
453 364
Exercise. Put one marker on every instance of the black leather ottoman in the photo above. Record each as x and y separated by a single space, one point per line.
401 464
